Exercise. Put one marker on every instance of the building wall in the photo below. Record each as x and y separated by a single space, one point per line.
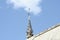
53 34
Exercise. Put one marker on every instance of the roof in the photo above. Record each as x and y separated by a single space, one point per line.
49 29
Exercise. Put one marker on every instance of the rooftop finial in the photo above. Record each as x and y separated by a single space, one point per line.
29 29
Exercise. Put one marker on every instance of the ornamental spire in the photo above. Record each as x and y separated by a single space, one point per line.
29 29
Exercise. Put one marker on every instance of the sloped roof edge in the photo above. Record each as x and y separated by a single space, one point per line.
49 29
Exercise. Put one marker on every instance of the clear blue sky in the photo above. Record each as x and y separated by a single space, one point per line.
13 23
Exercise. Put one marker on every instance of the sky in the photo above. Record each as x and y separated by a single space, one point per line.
13 22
